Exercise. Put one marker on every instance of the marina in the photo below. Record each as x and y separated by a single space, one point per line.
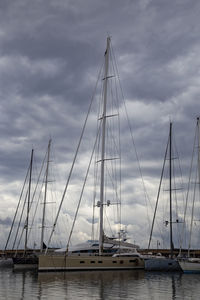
99 150
105 253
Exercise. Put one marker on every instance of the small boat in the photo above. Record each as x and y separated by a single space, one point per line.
162 263
29 258
106 253
190 265
26 260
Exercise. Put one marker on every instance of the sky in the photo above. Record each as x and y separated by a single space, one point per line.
50 55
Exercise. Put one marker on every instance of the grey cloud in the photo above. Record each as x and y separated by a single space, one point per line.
49 58
7 221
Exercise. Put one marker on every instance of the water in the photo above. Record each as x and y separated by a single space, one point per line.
98 285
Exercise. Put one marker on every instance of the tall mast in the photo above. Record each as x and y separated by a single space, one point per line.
170 187
103 146
198 135
28 202
45 197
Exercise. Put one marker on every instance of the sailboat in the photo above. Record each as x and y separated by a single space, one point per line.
105 253
192 264
21 261
29 258
162 263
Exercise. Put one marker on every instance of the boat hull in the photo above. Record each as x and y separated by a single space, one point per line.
162 265
190 266
76 263
27 262
6 262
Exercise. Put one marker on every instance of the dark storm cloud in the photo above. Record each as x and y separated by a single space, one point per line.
164 34
50 53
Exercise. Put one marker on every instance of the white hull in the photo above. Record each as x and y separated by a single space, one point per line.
76 263
190 266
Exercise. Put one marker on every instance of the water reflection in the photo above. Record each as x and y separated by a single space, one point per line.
173 288
93 284
25 282
45 277
98 285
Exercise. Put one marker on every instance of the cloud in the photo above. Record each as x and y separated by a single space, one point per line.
7 221
50 55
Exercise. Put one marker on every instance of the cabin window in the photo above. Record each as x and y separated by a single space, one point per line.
92 262
100 261
121 261
132 260
114 261
82 261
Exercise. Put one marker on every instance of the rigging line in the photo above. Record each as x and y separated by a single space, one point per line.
37 183
113 138
113 185
21 218
164 209
55 174
97 152
72 166
41 169
34 193
109 223
93 212
188 188
94 198
183 194
113 178
177 197
19 223
45 196
120 161
17 209
96 168
28 202
180 170
192 216
115 105
129 124
196 180
95 182
84 183
33 219
158 195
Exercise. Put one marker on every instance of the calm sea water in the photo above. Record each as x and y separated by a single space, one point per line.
98 285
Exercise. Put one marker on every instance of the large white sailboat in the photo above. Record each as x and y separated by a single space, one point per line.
104 253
